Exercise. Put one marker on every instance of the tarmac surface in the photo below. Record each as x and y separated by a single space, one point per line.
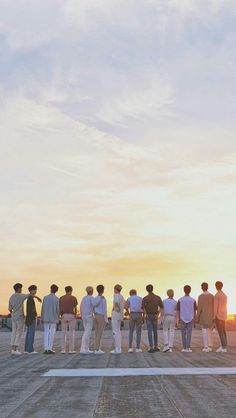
25 392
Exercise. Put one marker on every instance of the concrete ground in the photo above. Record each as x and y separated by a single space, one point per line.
25 393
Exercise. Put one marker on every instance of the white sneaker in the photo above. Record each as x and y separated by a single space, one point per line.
165 349
16 353
99 352
170 350
224 350
130 350
210 349
63 352
33 352
184 350
84 351
72 352
219 350
116 351
139 350
205 350
189 350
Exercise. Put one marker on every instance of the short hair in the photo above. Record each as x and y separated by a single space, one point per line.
100 288
118 287
187 289
17 286
219 285
68 289
204 286
89 289
32 287
54 288
133 292
149 288
170 293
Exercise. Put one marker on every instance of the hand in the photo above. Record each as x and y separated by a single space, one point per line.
38 299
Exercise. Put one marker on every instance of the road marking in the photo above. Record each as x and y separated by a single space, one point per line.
152 371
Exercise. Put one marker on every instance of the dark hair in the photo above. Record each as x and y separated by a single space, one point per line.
204 286
68 289
149 288
218 285
32 287
187 289
17 286
54 288
100 288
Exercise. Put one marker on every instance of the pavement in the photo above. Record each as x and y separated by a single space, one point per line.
25 392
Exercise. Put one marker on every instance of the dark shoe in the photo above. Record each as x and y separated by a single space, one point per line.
156 349
45 352
51 352
151 350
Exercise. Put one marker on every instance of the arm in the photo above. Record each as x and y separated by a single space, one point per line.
195 311
216 304
96 301
178 313
199 310
105 309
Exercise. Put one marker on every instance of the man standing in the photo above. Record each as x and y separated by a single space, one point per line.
186 309
205 316
220 314
151 306
87 315
169 321
100 317
50 316
117 317
133 308
16 308
68 311
30 321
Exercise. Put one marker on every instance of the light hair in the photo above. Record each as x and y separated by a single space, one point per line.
170 293
89 289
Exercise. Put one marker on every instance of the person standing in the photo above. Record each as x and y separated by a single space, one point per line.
205 316
186 312
151 305
220 315
100 317
16 309
30 320
50 316
133 308
169 320
87 315
117 317
68 311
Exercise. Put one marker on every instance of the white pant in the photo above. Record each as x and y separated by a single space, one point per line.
17 331
49 333
116 323
88 327
169 323
207 337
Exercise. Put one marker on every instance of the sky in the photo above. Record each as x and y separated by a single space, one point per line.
117 145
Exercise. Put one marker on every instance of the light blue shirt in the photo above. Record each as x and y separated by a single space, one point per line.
170 307
100 306
134 303
86 307
50 309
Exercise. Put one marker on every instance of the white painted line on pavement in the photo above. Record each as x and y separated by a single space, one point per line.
152 371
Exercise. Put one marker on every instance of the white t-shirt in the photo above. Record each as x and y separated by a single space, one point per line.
118 307
170 307
134 303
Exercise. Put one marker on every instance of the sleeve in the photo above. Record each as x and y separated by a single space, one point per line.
10 307
216 304
58 308
161 303
29 311
42 311
143 304
199 308
105 313
178 306
81 308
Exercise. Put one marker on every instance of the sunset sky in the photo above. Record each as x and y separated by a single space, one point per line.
118 146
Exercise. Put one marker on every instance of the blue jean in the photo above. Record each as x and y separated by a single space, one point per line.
135 322
186 331
29 338
151 321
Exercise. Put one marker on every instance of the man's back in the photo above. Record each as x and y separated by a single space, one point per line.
16 305
205 308
220 305
86 307
50 308
151 304
134 303
68 304
186 306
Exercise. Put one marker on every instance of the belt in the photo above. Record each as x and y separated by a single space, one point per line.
135 312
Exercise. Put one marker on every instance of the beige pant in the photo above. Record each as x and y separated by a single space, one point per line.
207 337
68 324
17 331
99 325
169 330
88 327
116 324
